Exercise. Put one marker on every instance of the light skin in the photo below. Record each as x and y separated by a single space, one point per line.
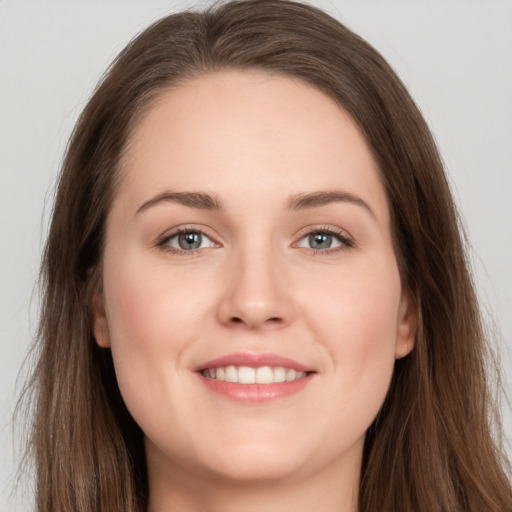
270 161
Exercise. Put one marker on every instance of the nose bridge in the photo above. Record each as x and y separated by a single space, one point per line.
256 292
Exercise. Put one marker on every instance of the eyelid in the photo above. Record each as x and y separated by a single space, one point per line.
345 239
162 241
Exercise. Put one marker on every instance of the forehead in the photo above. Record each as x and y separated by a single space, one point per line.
248 132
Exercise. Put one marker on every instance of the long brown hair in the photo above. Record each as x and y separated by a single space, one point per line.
432 447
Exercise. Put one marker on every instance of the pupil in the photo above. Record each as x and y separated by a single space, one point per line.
320 241
188 241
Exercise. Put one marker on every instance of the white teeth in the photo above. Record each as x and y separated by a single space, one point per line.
279 374
264 375
231 374
291 374
248 375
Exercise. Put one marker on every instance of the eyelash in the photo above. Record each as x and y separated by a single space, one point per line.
163 243
346 242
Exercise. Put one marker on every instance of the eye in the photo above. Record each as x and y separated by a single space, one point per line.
325 240
187 240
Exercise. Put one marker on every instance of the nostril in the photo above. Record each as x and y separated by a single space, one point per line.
272 320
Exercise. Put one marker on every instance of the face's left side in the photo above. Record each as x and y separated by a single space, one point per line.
251 296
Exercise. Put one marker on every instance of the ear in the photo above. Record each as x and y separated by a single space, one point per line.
99 319
407 324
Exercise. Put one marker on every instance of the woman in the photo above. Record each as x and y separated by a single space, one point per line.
256 294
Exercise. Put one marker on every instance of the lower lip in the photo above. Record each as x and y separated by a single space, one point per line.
255 393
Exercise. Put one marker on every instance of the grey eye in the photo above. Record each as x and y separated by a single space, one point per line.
320 240
189 241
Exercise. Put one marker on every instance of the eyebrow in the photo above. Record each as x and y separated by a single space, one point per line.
322 198
206 201
200 200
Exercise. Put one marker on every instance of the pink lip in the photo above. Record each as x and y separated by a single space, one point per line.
253 361
254 393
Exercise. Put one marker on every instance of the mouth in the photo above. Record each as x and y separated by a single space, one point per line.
253 378
248 375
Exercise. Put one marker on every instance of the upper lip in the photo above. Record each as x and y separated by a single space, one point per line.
253 361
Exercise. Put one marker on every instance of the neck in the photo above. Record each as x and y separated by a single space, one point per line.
332 489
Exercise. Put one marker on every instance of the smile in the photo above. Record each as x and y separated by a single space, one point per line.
248 375
255 378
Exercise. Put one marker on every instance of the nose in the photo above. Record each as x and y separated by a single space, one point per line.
256 294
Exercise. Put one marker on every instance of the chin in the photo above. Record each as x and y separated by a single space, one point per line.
258 461
255 468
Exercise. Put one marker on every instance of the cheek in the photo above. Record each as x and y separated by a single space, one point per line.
356 323
357 308
138 317
152 318
150 305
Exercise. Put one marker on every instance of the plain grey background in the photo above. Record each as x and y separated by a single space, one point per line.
455 56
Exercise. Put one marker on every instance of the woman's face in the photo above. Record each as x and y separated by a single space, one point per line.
249 240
